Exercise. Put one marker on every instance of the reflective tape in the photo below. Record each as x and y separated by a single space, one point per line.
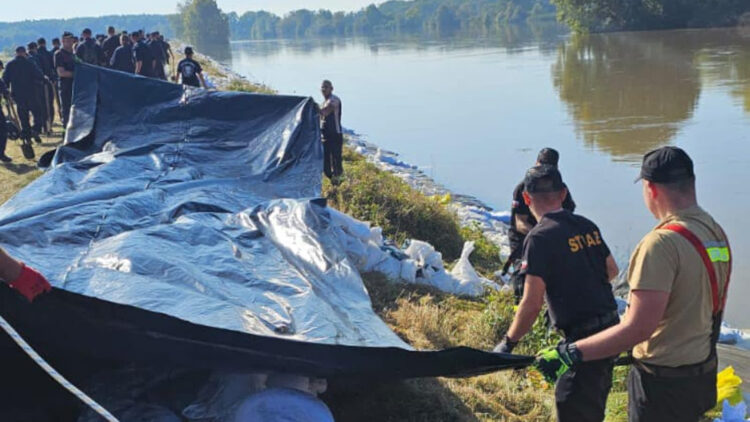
718 254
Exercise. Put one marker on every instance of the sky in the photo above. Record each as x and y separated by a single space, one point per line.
46 9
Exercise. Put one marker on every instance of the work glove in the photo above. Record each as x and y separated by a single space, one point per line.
505 346
554 362
30 283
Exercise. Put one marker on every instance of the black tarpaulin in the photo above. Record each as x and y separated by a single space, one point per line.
174 227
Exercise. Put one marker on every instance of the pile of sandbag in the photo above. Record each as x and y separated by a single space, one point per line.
419 263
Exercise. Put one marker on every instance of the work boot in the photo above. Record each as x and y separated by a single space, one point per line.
37 139
5 159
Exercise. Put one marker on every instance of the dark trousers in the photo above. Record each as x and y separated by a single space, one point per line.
332 149
159 71
3 133
581 393
26 106
66 99
661 399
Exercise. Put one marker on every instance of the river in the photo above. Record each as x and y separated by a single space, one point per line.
473 112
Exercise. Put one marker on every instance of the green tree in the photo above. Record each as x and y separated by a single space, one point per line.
205 26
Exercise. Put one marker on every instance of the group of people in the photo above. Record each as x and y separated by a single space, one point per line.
37 78
678 278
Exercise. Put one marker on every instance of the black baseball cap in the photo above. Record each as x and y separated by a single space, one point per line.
188 50
666 165
67 34
548 156
542 179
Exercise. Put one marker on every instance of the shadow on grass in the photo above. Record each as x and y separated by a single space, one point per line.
20 168
412 400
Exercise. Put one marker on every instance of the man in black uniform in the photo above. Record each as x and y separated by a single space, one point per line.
48 68
3 128
22 77
110 45
566 261
55 45
159 52
144 60
122 59
65 64
88 51
522 221
190 72
39 106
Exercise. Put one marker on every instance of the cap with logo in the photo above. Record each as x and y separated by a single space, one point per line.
666 165
542 179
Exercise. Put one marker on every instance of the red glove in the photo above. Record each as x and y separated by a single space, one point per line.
30 283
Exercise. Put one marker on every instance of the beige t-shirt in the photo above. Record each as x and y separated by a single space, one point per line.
666 261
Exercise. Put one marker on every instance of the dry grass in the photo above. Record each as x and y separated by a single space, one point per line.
14 176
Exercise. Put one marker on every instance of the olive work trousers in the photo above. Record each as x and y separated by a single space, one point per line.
661 399
581 393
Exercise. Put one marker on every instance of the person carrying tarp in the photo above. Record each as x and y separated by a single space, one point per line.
333 137
65 65
522 221
566 260
25 280
679 278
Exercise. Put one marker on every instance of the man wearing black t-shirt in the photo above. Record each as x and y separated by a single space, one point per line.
144 60
110 45
522 221
65 64
567 263
189 71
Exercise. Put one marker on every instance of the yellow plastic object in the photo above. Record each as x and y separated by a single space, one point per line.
728 387
442 199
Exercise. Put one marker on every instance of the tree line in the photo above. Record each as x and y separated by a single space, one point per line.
20 33
417 16
202 23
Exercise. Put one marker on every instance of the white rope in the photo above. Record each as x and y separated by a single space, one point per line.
53 373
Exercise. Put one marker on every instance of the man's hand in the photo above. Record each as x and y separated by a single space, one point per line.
554 362
505 346
30 283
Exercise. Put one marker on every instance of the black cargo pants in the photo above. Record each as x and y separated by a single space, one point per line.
660 399
581 393
333 145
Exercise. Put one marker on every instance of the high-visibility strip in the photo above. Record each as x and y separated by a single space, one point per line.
718 305
718 254
52 372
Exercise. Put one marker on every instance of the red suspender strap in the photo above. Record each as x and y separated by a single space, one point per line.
729 271
693 239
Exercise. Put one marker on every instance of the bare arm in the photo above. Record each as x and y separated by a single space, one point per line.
522 224
10 269
612 270
644 313
203 81
61 72
138 66
529 308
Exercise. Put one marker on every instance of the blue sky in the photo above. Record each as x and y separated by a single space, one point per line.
43 9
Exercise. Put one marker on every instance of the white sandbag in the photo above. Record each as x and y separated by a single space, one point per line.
375 256
424 254
283 405
389 267
409 270
359 229
470 283
376 236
